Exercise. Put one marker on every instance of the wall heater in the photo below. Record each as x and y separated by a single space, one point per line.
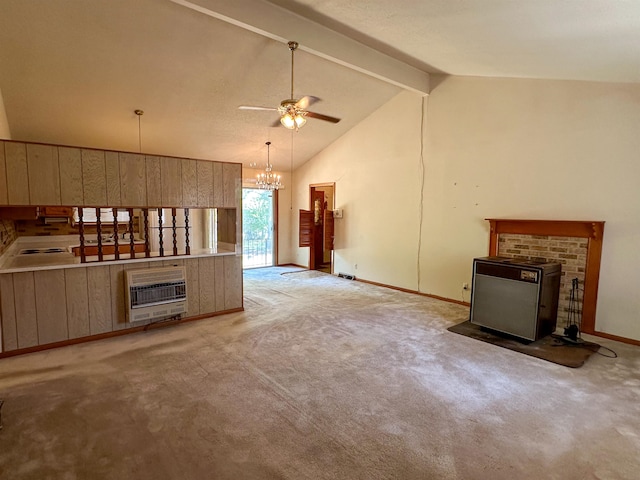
155 293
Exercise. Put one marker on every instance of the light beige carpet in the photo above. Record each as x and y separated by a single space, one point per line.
320 378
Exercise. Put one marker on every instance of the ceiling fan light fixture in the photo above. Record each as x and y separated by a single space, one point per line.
293 120
300 120
288 121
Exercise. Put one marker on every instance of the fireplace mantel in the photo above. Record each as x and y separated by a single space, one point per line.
593 231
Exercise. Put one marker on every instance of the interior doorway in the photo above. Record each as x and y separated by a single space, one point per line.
317 226
259 234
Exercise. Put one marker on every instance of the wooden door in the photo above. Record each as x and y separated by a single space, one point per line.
317 250
328 229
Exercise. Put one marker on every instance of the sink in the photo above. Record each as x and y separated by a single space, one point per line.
95 242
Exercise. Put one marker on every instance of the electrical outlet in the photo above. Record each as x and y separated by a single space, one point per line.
465 286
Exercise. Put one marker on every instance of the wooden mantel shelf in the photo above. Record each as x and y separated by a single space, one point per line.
558 228
593 231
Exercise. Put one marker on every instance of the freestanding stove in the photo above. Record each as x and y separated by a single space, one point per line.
515 296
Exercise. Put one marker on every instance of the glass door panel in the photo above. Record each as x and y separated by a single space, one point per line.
257 228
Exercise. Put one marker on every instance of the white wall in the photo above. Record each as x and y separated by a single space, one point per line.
374 169
494 148
507 148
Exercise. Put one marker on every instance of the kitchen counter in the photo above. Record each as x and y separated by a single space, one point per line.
12 261
53 299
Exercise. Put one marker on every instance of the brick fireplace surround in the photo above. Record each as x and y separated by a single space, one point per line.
575 244
571 252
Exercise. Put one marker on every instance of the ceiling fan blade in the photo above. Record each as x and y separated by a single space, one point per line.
319 116
248 107
305 101
276 123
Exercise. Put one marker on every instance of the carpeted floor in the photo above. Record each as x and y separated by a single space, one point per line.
320 378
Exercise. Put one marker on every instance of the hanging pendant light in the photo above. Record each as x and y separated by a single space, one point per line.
269 180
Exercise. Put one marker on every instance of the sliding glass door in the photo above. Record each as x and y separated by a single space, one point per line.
258 243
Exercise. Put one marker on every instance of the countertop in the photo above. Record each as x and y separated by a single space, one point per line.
12 262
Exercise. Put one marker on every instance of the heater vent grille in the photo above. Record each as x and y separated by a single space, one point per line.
156 293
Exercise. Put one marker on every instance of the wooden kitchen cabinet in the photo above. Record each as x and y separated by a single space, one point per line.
19 213
39 174
94 181
171 176
154 182
231 184
56 212
189 173
51 306
133 179
44 174
204 179
32 213
17 173
70 160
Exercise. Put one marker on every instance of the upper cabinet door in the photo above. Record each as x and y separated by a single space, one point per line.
154 183
133 181
232 184
218 185
44 174
17 173
70 160
189 182
112 170
94 180
171 176
205 183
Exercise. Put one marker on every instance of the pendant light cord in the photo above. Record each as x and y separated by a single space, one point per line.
268 155
139 113
292 47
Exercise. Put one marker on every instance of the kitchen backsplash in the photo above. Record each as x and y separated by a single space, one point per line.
8 234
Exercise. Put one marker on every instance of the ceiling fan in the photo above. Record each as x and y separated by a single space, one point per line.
294 113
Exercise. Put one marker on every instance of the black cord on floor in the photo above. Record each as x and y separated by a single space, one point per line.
615 355
594 347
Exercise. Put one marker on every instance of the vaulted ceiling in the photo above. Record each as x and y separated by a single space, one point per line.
73 72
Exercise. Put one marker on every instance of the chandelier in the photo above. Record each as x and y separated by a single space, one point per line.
269 180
